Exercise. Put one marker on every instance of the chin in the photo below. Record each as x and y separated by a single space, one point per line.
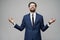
32 10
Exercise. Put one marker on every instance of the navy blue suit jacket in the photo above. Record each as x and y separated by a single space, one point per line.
32 32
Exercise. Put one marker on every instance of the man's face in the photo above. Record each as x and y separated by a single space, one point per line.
32 7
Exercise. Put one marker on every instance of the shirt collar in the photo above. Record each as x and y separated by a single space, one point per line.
33 13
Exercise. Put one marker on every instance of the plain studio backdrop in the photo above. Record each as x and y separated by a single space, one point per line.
18 8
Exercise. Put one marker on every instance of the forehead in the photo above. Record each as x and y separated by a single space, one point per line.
32 4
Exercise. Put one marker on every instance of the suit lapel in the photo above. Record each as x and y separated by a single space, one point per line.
36 18
29 19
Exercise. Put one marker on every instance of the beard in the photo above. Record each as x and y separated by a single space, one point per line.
32 10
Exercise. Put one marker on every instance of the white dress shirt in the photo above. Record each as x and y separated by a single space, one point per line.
34 14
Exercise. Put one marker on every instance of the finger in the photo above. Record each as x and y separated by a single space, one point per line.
53 20
11 18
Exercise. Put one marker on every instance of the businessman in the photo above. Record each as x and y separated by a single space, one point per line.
33 22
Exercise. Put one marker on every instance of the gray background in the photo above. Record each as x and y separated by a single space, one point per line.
18 8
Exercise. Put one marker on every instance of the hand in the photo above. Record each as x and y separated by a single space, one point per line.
52 21
11 20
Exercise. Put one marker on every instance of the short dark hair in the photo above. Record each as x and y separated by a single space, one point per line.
31 3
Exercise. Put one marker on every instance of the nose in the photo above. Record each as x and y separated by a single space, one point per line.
32 6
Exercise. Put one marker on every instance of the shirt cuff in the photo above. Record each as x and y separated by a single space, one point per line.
48 24
14 24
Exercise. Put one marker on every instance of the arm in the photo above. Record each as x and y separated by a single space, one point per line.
43 27
20 27
11 20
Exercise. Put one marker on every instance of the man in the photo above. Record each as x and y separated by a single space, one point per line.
33 23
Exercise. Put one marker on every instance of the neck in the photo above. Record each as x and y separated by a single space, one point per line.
32 12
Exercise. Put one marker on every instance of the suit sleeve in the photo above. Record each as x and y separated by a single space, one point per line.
22 25
43 27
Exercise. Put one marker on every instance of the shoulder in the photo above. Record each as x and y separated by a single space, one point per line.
38 14
26 15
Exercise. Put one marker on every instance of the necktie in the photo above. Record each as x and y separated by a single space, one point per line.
32 19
